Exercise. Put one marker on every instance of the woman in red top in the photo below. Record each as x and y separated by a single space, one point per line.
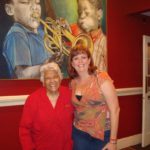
96 104
46 122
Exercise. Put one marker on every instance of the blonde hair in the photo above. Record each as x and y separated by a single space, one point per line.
50 66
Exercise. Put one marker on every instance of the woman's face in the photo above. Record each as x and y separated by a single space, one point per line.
81 63
51 81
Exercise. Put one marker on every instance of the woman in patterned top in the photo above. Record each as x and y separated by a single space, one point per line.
96 114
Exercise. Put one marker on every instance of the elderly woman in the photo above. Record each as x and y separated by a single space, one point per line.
46 122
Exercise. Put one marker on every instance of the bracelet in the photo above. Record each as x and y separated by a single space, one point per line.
113 141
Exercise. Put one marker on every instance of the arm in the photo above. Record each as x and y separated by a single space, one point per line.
27 71
26 126
113 105
30 71
105 54
23 55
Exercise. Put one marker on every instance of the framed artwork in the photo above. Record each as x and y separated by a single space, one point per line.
36 32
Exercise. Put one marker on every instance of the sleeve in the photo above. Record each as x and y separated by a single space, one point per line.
26 124
16 49
69 122
69 145
102 77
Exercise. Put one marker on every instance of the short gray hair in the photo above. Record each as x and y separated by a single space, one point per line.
50 66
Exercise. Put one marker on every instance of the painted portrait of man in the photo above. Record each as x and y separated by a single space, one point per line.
90 21
23 47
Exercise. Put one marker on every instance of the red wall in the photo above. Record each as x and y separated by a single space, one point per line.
134 6
18 87
124 32
130 116
9 125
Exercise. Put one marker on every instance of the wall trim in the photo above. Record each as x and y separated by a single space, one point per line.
129 141
12 100
129 91
20 99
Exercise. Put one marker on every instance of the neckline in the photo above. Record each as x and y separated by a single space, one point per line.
79 97
50 101
83 89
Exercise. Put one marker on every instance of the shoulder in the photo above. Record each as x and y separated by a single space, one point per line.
16 32
103 76
16 28
72 83
35 96
38 92
65 92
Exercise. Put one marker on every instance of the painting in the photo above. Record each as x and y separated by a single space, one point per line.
33 32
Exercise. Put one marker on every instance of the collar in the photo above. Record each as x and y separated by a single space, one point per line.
24 28
95 34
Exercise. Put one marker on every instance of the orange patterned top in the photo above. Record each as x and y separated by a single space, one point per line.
91 111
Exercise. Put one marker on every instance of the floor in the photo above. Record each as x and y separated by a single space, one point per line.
137 147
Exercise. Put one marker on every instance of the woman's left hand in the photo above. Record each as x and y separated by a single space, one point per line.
110 146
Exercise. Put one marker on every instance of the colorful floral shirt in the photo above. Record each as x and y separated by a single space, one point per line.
91 111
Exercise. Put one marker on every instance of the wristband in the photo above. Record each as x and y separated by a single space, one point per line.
113 141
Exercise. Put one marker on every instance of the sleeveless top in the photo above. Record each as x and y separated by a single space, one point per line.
91 111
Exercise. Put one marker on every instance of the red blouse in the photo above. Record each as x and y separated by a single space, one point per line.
43 127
